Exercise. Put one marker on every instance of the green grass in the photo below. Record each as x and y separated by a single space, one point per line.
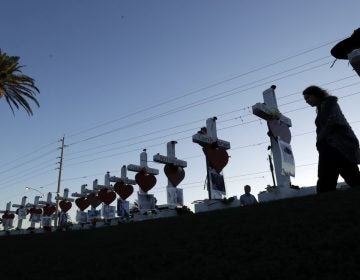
313 237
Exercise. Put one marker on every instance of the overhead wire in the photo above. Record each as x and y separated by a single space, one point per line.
178 140
352 94
256 69
237 76
200 90
190 105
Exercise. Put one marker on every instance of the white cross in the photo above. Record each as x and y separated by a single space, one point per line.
269 111
48 200
22 205
172 192
65 196
34 205
7 224
83 192
143 166
124 179
210 137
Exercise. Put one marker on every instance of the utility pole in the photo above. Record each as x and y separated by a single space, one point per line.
59 180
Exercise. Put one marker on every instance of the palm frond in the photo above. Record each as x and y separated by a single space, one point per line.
16 87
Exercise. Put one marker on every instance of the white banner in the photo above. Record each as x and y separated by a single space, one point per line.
287 159
46 221
7 223
175 196
81 217
146 201
123 208
93 215
108 212
217 184
36 218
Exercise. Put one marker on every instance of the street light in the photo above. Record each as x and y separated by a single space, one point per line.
33 189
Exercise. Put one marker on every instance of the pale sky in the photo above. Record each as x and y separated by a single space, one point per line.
119 76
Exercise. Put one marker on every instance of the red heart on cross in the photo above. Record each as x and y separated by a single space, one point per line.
175 174
218 158
82 203
123 190
145 181
8 216
49 210
107 196
94 200
35 210
65 205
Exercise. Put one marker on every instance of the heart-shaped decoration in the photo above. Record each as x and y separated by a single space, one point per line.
145 181
107 196
82 203
94 200
49 210
65 205
34 210
218 158
8 216
175 174
123 190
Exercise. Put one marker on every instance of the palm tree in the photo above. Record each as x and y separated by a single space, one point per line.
15 86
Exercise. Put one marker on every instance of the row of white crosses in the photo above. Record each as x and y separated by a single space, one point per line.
40 211
216 159
102 194
146 180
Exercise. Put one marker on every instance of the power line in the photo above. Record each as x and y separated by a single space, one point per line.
187 137
196 121
26 162
211 98
144 109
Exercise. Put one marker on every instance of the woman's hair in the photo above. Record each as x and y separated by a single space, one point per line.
317 91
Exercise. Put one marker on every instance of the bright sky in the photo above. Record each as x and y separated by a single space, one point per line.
119 76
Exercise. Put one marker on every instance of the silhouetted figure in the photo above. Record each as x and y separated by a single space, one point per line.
349 49
342 49
247 198
336 142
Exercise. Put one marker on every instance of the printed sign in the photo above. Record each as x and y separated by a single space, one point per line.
81 217
108 212
123 208
7 223
175 196
46 221
217 184
287 159
93 215
63 218
146 201
35 218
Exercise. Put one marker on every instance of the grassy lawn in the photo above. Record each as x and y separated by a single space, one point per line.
313 237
